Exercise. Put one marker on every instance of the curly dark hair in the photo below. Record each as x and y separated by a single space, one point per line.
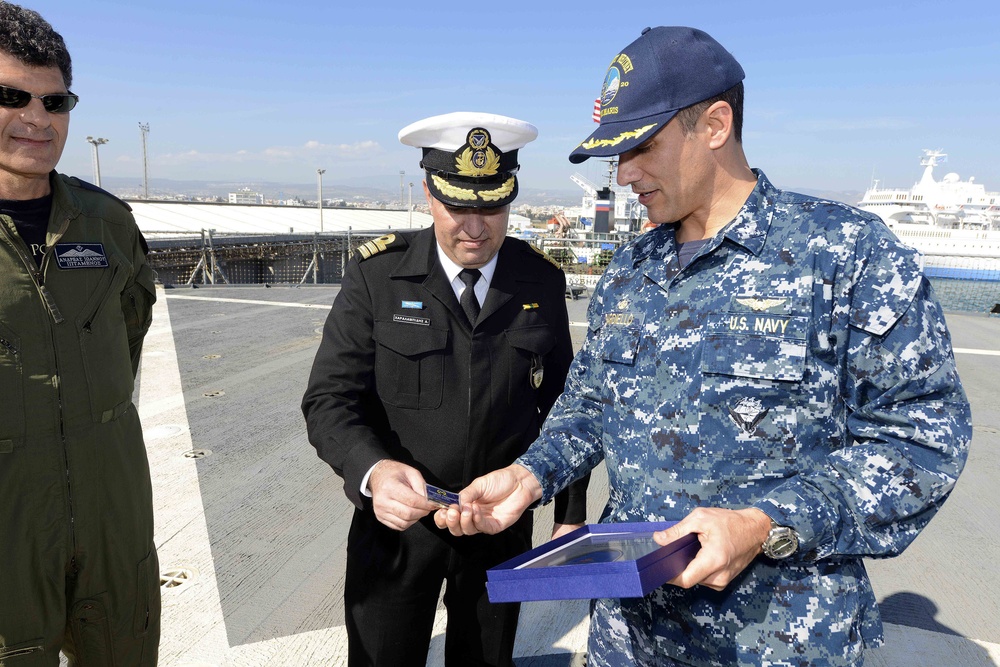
29 38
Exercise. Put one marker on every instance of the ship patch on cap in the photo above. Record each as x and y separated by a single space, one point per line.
667 69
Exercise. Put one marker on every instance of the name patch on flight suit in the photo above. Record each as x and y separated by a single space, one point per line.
81 256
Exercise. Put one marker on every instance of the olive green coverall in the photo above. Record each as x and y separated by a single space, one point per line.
77 558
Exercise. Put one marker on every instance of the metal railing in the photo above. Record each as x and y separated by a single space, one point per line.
960 283
241 259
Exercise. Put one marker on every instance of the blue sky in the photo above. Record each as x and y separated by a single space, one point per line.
269 91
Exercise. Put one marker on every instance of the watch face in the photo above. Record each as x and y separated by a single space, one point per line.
781 542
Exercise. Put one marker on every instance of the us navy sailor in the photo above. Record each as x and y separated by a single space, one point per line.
769 369
423 377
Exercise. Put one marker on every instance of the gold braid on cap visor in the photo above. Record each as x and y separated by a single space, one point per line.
449 190
499 193
631 134
465 194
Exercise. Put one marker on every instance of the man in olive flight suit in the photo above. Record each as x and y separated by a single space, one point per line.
76 519
422 379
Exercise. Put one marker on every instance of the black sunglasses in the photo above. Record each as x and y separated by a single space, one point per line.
12 98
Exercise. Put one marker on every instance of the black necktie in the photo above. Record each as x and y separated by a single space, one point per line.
470 304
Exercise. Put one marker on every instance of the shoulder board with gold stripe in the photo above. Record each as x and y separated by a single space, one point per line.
382 243
546 256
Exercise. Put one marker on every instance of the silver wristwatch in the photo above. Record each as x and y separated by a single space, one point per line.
781 542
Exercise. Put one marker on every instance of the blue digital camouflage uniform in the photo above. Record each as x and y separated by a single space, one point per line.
800 364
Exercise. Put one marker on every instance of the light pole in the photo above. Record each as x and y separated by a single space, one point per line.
409 206
144 130
319 174
97 163
401 174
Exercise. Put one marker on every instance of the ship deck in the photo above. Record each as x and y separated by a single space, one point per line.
251 526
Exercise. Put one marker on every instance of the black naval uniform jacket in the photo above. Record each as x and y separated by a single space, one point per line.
399 373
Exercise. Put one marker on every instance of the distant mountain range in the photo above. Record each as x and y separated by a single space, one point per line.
377 190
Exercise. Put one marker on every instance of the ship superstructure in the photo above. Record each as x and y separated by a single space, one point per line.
950 203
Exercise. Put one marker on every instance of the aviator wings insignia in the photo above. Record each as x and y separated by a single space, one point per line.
759 304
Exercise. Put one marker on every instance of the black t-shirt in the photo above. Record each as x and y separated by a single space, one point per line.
31 218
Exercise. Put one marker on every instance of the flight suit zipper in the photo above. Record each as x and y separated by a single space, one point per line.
37 274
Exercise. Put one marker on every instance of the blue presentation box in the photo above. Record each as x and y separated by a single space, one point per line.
605 560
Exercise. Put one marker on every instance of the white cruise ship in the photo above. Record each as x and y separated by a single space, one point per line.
954 223
950 203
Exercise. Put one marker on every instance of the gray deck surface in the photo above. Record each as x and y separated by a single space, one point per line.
255 531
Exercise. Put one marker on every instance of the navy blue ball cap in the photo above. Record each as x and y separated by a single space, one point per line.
667 69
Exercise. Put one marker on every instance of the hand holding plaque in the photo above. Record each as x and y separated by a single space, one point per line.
491 503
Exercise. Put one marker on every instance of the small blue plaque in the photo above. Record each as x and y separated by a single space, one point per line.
605 560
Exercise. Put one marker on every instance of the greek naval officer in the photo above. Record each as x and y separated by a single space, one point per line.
422 377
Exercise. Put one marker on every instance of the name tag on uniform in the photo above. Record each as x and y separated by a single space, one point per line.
81 256
409 319
623 319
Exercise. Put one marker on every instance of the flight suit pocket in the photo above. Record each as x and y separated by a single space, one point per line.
11 389
104 346
91 630
147 604
10 652
137 303
526 367
409 364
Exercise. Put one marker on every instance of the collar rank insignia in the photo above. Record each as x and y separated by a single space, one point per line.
529 306
758 305
747 414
